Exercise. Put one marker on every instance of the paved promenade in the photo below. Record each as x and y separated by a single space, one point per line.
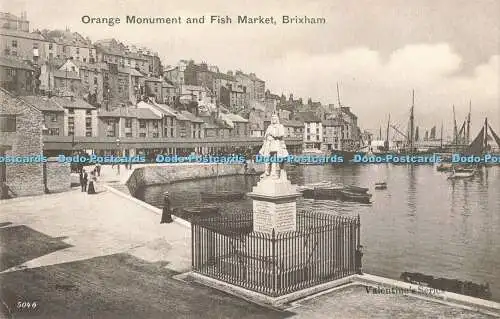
102 256
105 256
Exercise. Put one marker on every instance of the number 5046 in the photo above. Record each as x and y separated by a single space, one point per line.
27 305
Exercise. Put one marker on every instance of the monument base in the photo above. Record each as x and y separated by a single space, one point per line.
274 205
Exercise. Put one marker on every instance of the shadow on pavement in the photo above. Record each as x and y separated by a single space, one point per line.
121 286
21 244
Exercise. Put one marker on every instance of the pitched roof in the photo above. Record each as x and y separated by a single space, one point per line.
145 114
291 123
22 34
236 118
43 103
118 112
307 117
15 64
11 105
66 75
191 117
72 103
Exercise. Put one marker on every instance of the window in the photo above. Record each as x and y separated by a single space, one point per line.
128 134
71 111
88 112
172 132
156 135
88 122
53 117
142 135
14 43
77 50
73 69
142 124
155 124
35 45
128 123
50 46
53 131
11 72
71 125
84 59
7 123
95 80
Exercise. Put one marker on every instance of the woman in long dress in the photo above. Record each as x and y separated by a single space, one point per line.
92 180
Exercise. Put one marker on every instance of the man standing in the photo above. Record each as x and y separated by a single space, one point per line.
84 180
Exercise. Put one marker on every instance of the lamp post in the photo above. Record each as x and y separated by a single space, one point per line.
119 149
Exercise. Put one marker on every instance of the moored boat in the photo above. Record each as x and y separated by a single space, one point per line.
356 189
202 210
463 173
381 185
356 197
221 195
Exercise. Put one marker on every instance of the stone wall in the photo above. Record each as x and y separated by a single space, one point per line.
58 176
25 179
169 173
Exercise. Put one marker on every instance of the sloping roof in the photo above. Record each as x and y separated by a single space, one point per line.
90 66
307 117
150 79
43 103
9 104
22 34
118 112
167 110
15 64
236 118
73 103
66 75
166 84
291 123
191 117
146 114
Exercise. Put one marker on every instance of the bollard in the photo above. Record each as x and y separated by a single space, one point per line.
358 260
166 216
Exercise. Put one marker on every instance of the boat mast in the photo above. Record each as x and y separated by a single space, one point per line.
338 95
387 133
485 134
468 122
455 132
412 119
441 134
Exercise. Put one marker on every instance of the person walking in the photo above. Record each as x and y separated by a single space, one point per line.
84 178
166 216
91 187
98 169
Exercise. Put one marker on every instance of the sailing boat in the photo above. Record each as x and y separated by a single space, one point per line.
347 147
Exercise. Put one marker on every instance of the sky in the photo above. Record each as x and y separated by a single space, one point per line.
378 51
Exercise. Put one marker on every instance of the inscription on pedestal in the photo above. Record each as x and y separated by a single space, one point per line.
262 218
269 215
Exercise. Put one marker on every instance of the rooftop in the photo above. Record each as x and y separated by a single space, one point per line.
43 103
22 34
15 64
307 117
72 103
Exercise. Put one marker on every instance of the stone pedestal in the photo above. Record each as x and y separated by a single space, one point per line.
274 204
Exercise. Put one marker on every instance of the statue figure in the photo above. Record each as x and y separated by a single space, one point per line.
274 145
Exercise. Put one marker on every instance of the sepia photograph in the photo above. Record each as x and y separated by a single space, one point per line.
249 159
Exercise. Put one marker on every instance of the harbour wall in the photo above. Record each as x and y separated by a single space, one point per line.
169 173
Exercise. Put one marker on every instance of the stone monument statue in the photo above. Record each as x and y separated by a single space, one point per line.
274 145
274 196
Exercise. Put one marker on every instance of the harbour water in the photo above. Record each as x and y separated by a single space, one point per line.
423 222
